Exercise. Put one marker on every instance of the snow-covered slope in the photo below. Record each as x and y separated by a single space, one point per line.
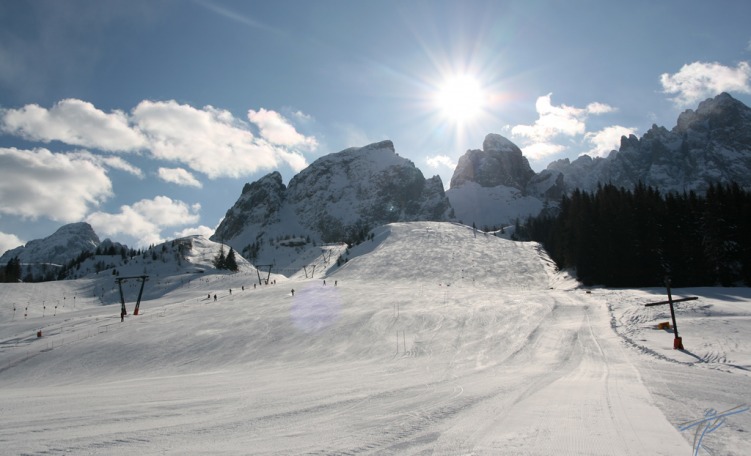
431 339
494 207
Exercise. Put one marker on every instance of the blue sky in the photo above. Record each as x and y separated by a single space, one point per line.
145 118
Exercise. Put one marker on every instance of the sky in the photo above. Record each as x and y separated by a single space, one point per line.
146 118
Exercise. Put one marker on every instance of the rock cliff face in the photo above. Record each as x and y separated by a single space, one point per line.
335 198
259 205
500 162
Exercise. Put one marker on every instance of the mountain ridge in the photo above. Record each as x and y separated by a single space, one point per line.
343 195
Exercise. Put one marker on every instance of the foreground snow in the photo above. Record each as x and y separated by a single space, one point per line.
435 340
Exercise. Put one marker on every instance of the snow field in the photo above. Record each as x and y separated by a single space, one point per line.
434 341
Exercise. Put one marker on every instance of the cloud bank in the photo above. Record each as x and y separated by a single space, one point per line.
698 81
207 140
554 123
178 176
67 186
62 187
73 122
438 161
145 219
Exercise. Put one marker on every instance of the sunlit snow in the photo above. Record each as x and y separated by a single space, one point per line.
431 339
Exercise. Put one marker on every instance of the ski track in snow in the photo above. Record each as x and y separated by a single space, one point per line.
435 340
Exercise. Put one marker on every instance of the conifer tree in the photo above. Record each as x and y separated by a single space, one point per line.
230 263
220 260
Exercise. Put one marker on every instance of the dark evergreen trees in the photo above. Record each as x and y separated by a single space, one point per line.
618 237
220 259
230 262
12 271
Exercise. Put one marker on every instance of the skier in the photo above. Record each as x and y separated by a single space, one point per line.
230 291
293 292
214 298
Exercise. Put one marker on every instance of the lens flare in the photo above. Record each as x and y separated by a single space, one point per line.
461 98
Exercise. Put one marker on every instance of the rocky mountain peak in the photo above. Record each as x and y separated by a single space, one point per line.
726 118
337 195
711 144
65 243
258 204
498 143
499 163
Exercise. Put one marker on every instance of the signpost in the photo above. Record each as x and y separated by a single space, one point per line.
677 342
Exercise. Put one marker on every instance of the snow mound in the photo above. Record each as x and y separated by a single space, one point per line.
449 255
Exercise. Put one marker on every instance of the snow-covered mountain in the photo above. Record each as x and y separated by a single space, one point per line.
709 145
712 144
488 187
58 248
344 195
340 196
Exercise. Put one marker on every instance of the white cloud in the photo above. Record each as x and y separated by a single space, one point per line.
9 241
62 187
599 108
301 116
697 81
558 120
113 162
145 219
554 122
277 130
441 160
122 165
202 230
73 122
295 160
208 140
540 150
606 140
179 176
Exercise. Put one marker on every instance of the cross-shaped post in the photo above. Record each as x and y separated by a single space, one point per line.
677 342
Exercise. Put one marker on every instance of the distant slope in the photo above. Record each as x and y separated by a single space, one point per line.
448 254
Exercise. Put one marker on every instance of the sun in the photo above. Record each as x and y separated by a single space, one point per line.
460 98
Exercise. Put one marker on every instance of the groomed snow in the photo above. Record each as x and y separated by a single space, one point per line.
432 339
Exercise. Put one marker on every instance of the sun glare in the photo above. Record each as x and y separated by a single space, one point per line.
460 98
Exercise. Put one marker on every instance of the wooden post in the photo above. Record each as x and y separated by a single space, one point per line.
677 341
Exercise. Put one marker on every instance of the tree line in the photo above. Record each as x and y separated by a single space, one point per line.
635 238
